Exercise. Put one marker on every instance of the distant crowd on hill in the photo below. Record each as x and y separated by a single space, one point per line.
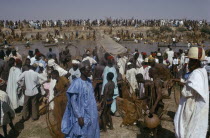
38 24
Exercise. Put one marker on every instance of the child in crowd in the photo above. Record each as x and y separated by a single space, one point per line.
107 101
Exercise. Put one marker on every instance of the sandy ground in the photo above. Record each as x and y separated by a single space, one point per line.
39 129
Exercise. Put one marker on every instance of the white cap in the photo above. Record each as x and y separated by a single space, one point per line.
51 62
129 63
158 54
75 62
146 60
196 53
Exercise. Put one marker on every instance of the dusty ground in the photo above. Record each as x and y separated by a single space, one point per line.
38 129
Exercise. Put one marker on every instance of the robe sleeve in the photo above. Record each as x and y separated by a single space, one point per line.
127 75
75 106
93 61
73 91
195 81
21 77
74 87
115 77
187 92
42 77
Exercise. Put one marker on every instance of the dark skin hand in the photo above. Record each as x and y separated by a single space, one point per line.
81 121
67 75
179 81
159 96
73 77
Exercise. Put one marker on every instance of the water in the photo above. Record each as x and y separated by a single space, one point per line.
78 47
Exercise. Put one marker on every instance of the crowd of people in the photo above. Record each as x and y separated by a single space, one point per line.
82 94
103 22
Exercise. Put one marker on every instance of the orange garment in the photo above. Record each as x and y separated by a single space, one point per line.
60 103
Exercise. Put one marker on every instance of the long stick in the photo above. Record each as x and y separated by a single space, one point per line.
51 101
129 85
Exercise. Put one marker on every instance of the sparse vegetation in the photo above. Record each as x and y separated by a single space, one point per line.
154 31
181 29
165 29
206 30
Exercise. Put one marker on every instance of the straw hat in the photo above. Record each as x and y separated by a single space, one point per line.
150 57
196 53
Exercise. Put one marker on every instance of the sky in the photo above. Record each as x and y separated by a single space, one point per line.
101 9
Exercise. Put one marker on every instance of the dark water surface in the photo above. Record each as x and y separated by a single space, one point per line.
78 47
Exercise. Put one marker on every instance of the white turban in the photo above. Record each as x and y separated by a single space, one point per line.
129 63
51 62
75 62
158 54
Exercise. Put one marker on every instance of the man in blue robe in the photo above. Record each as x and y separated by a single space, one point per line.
80 119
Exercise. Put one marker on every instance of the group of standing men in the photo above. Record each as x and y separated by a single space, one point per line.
74 97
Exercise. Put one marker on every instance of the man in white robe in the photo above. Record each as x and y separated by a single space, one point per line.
121 64
131 77
167 49
12 85
31 93
91 60
144 70
43 73
62 72
182 59
170 54
191 119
